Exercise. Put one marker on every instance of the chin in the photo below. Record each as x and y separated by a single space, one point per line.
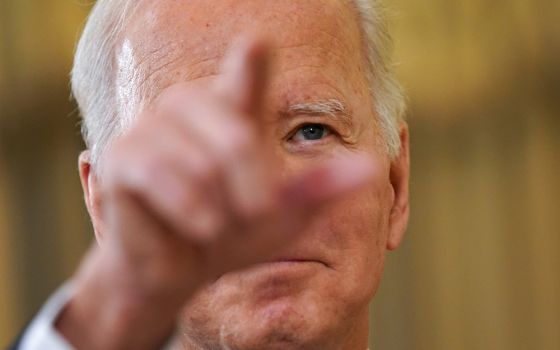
281 305
278 324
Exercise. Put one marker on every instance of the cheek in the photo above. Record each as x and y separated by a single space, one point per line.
358 231
360 221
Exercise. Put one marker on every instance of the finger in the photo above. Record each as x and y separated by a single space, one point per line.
174 182
244 78
302 197
207 122
246 168
297 203
328 182
138 236
250 175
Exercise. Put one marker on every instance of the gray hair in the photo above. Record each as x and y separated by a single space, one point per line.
95 68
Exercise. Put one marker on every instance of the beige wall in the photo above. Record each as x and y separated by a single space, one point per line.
43 227
480 266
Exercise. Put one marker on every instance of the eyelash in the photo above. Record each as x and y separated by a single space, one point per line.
328 129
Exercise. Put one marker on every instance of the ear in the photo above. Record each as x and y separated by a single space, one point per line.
91 188
399 177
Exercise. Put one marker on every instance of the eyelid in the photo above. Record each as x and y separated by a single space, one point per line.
328 128
297 122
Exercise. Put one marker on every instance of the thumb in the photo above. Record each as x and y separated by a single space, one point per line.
327 182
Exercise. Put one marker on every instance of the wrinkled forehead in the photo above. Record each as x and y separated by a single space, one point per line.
168 41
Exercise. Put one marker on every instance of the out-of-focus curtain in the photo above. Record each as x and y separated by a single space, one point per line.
479 268
43 226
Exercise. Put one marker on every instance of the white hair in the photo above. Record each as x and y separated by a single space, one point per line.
95 69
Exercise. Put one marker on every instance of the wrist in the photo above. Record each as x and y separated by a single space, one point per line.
106 312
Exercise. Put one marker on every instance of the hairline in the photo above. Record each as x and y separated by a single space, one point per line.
102 122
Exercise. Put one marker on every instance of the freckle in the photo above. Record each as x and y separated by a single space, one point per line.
207 25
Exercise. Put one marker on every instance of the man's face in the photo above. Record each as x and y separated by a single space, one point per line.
318 290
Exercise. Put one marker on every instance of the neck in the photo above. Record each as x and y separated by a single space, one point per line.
358 334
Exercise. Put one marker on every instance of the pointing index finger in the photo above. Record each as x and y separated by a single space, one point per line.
245 76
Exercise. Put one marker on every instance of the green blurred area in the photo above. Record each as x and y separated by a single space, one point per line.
480 266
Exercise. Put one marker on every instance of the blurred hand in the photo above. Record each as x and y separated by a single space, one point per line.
191 191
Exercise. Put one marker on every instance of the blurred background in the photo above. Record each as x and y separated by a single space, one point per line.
480 268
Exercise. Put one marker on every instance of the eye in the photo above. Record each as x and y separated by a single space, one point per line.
311 132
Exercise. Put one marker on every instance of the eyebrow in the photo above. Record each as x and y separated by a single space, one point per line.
333 108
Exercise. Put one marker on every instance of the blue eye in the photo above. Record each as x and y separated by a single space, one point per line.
311 132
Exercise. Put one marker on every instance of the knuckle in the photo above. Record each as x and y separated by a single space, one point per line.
147 170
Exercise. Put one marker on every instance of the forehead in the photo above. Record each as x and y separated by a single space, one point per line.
184 40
